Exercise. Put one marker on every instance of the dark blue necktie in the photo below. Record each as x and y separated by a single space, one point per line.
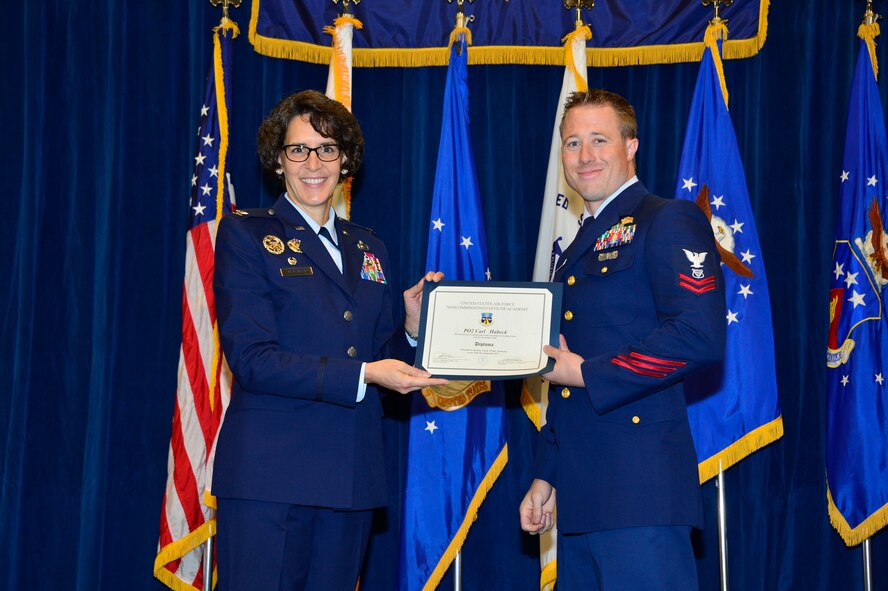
326 234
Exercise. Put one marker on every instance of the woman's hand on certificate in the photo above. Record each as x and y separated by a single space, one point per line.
567 370
398 376
413 302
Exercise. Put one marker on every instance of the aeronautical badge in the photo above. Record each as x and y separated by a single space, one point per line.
621 233
854 301
294 245
695 271
240 212
273 244
486 317
362 245
371 270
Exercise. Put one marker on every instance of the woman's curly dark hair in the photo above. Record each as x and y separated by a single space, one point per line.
327 116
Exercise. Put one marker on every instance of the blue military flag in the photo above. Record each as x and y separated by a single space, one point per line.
856 399
733 406
454 456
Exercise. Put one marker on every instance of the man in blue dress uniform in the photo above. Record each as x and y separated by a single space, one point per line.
643 307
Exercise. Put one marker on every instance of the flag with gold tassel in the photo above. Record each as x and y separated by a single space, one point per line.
733 406
857 344
561 217
339 87
457 434
188 517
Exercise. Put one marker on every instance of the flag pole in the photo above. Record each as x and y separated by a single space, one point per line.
457 571
208 565
867 566
722 530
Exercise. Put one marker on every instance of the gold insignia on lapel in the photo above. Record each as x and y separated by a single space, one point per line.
292 260
300 228
608 256
344 232
239 212
362 246
294 245
627 220
273 244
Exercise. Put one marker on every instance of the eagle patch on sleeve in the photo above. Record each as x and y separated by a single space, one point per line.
695 271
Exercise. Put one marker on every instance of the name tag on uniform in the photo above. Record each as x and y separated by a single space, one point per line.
296 271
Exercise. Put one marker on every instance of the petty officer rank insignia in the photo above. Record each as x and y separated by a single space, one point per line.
694 271
618 234
273 244
371 270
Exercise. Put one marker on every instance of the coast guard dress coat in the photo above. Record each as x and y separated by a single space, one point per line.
295 332
644 306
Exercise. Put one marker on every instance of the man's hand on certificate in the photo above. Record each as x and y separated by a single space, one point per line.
567 370
398 376
413 302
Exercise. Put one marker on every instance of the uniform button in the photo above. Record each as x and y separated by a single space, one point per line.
352 351
636 420
568 315
604 269
571 280
565 393
347 315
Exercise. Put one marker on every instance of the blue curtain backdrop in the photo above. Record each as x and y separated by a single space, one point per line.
98 110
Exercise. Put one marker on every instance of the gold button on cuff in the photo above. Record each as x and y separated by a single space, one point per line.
604 269
565 393
568 315
571 280
347 315
352 352
636 420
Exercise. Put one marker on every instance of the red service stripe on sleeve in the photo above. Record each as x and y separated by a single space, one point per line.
658 360
622 363
695 289
644 365
697 282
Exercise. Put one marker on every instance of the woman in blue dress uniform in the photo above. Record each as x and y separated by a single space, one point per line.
305 316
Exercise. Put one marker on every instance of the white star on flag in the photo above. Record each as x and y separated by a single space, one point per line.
688 184
850 279
466 241
732 317
840 270
718 201
871 181
879 378
737 227
844 176
208 140
199 159
194 180
199 209
747 256
744 291
487 273
430 427
214 172
438 224
204 110
845 380
857 299
206 189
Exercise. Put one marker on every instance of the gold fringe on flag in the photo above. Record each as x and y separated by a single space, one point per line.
584 32
714 34
867 528
752 441
507 54
869 33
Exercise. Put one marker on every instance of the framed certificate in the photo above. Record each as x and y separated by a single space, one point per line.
490 330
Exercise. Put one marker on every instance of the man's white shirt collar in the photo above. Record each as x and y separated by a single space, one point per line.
623 187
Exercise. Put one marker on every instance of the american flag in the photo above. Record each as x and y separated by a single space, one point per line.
187 519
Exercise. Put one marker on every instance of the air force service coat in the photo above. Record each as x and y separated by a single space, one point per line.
644 306
295 332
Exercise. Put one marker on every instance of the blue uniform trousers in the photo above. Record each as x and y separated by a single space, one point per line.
267 546
654 558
